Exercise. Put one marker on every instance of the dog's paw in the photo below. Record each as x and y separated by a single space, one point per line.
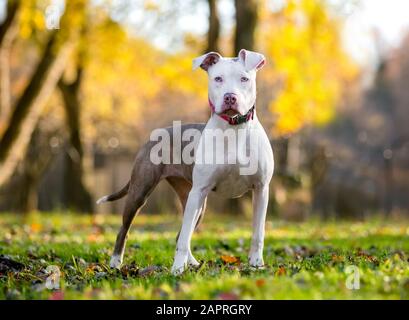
256 261
192 261
180 263
177 270
116 262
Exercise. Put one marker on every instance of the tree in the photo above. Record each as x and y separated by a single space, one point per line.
246 22
26 112
8 31
76 195
311 69
213 32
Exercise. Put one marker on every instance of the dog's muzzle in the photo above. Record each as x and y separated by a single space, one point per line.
237 118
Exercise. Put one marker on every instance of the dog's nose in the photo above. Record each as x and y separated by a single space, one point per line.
230 99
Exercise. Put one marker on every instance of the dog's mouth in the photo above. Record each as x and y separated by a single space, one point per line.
231 113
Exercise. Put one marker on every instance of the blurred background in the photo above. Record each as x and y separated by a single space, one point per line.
83 83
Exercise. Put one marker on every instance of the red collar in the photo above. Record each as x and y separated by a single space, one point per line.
237 119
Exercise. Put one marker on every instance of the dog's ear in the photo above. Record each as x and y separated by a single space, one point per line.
206 60
252 60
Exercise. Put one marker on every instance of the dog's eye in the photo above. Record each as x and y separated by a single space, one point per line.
244 79
218 79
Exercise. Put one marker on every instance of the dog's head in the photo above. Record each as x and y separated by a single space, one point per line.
232 81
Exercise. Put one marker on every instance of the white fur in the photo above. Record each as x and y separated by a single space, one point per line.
227 179
116 262
102 200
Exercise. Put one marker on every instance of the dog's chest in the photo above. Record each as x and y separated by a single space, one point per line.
230 178
240 161
232 184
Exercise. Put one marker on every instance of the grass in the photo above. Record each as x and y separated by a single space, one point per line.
303 260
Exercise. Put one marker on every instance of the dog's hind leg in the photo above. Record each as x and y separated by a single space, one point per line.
182 189
137 196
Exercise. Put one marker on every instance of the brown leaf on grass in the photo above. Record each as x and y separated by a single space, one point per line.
260 282
367 256
148 271
337 258
35 227
230 259
93 268
94 237
130 270
281 271
372 259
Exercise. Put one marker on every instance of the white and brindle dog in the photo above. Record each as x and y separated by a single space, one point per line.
232 98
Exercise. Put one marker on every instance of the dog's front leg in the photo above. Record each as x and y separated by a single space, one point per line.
260 202
193 209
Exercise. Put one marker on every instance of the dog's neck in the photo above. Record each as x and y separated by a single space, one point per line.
219 122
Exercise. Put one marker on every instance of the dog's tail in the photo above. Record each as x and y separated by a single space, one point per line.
115 196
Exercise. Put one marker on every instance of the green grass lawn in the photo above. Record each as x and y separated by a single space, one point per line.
303 260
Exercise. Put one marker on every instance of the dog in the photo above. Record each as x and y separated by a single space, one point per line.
232 98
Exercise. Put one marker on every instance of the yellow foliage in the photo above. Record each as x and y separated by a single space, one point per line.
303 43
31 18
125 75
177 74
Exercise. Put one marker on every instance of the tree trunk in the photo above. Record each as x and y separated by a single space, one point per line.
8 32
12 10
13 143
76 195
16 137
246 21
27 177
214 27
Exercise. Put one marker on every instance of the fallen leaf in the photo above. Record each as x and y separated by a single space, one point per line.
35 227
93 268
130 270
148 271
229 259
367 256
337 258
281 271
93 237
260 282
